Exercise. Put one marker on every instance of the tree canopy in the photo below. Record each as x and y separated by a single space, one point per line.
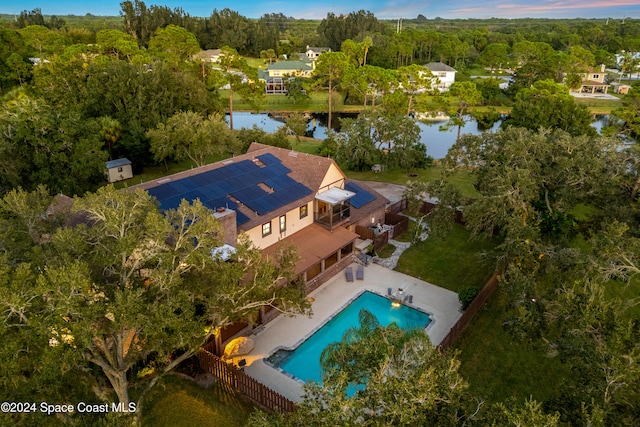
548 105
130 294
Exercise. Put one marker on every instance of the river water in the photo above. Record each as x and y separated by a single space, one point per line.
432 135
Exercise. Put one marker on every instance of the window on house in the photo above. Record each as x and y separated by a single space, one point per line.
442 74
283 223
120 169
596 76
303 211
266 229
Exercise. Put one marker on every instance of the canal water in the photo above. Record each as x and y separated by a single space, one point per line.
432 135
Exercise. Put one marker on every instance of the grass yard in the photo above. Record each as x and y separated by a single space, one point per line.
306 145
387 251
498 367
462 180
179 402
156 172
598 106
450 262
318 102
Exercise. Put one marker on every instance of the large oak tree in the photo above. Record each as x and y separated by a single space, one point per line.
131 292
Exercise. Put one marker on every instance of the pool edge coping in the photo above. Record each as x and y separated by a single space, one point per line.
336 312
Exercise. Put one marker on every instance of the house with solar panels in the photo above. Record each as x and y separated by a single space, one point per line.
277 196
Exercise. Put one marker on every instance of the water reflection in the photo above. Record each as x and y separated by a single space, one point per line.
432 135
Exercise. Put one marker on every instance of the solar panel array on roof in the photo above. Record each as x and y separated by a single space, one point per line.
236 181
362 196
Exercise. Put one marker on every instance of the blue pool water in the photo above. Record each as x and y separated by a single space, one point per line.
304 362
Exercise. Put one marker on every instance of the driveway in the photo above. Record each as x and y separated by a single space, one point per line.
393 192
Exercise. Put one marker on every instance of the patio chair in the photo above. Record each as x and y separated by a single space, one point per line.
349 273
360 272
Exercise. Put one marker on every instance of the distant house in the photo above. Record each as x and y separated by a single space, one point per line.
118 170
291 68
593 81
621 56
313 52
276 74
209 55
444 75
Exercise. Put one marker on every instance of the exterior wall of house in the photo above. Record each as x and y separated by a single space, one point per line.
293 224
119 173
447 78
595 75
443 79
333 178
297 73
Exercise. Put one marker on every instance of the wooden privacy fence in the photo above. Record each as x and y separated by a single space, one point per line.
397 207
237 380
469 313
380 240
400 223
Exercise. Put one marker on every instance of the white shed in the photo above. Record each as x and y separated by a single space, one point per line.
118 170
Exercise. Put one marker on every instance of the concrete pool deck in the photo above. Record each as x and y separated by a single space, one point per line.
289 332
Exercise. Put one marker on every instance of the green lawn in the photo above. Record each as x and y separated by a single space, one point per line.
462 180
179 402
281 103
498 367
598 106
387 251
451 262
306 145
155 172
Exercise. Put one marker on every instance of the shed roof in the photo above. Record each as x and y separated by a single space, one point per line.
117 163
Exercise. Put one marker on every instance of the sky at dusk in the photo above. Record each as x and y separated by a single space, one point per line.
382 9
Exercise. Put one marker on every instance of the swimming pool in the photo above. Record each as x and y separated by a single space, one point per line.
303 363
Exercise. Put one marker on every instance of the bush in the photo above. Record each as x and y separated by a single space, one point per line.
467 295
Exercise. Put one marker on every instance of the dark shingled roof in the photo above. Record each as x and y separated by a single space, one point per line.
260 185
439 66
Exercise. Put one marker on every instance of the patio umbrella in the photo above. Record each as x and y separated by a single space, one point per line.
238 347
